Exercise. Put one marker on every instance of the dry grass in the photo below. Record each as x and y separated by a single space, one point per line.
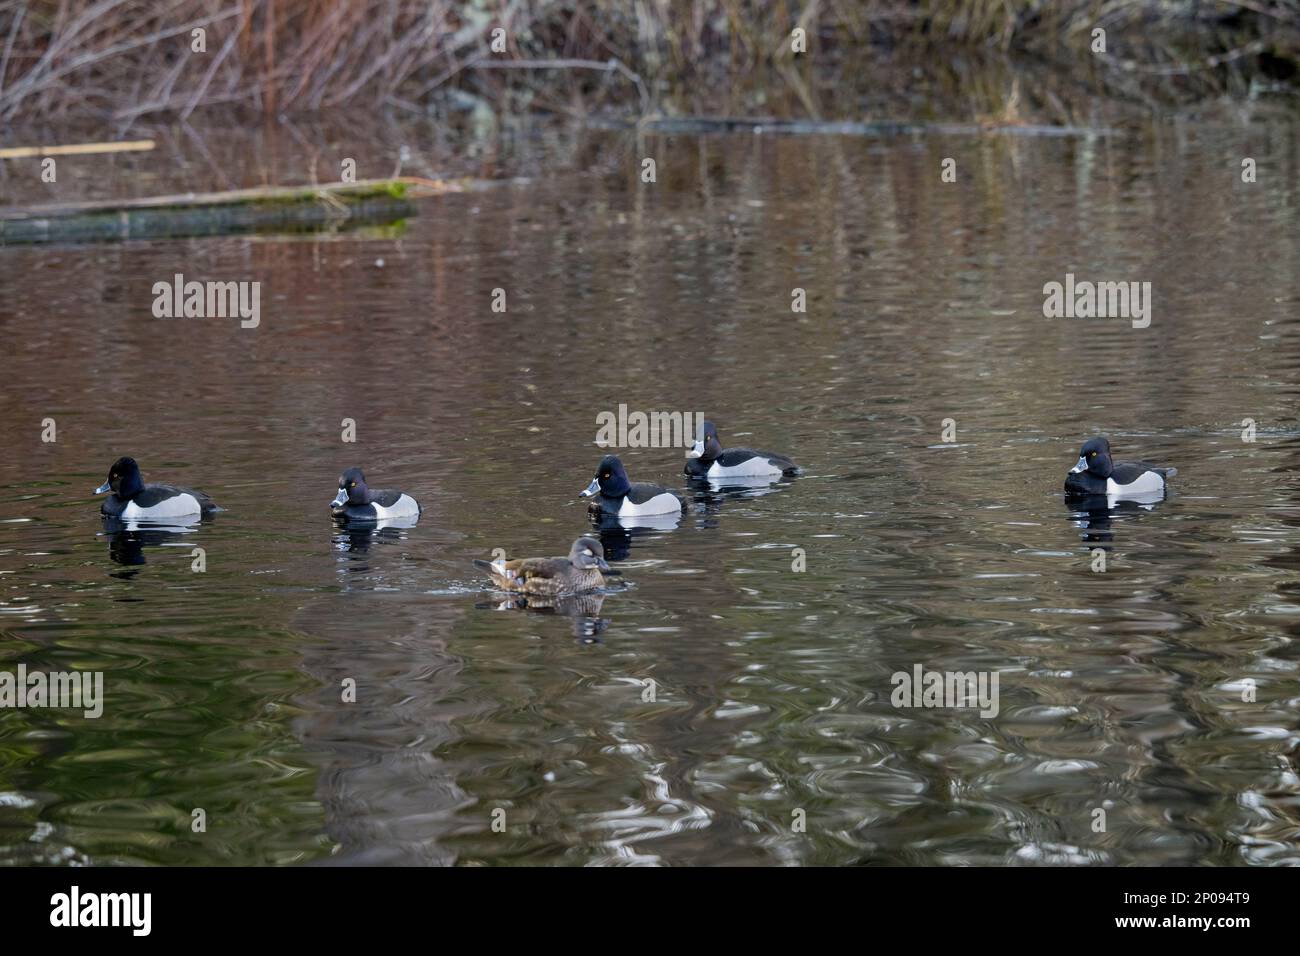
122 59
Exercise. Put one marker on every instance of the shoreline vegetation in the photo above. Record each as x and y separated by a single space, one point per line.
125 60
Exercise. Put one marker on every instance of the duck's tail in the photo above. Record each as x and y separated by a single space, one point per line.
501 576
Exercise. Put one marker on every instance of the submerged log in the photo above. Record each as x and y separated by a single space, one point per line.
262 209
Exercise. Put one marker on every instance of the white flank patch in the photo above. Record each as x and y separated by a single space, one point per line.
403 507
172 507
1145 483
658 505
756 467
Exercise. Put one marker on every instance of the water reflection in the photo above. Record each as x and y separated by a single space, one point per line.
749 486
386 794
617 533
709 495
1095 513
584 609
925 302
357 538
127 539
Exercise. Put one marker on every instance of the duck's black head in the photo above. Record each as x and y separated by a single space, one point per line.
587 552
610 480
1094 458
123 479
710 447
352 489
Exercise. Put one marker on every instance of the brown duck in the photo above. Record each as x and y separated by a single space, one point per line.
580 571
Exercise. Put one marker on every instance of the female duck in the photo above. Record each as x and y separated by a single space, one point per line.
132 499
356 502
1096 473
549 577
615 495
709 460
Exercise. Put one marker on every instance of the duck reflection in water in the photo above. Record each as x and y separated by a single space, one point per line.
356 537
583 609
709 495
617 534
127 538
1095 513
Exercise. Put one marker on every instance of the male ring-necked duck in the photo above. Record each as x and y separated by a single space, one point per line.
580 571
1097 474
356 502
615 495
132 499
709 460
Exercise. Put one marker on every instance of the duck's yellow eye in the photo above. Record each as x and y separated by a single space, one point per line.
352 484
1092 454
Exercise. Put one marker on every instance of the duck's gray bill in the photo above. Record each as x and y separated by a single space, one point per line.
104 488
1081 466
591 489
697 450
602 565
339 499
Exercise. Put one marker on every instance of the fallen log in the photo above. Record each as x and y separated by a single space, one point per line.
262 209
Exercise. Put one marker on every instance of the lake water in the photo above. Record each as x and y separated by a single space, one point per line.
771 738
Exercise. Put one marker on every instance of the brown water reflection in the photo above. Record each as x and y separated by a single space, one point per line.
1118 690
